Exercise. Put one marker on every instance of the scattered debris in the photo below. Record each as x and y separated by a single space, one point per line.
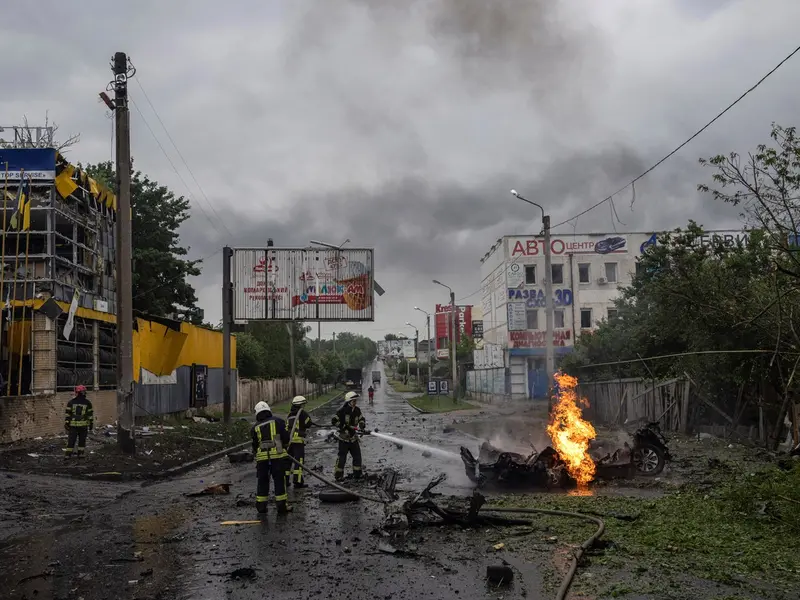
221 489
240 522
426 454
137 557
241 456
498 547
199 439
42 575
33 455
420 510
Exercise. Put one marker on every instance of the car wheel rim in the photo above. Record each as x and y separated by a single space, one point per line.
647 460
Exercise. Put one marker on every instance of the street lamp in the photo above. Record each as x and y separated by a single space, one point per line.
416 346
452 336
548 290
430 357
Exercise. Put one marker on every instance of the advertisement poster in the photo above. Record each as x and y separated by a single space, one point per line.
303 284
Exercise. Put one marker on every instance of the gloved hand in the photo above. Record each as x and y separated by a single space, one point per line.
66 426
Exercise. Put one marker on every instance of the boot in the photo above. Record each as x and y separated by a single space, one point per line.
284 508
261 507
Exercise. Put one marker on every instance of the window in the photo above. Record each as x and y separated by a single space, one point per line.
583 272
611 272
530 274
533 318
558 319
557 273
612 313
586 318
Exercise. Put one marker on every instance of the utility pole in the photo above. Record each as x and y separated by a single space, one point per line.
430 355
334 343
548 299
290 329
548 292
125 416
227 313
453 343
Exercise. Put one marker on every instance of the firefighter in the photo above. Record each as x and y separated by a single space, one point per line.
78 421
270 440
299 421
347 419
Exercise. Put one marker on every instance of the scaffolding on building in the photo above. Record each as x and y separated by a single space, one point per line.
58 274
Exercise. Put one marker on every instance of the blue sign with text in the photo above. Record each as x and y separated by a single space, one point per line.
535 298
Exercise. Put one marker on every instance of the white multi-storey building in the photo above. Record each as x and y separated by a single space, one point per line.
587 272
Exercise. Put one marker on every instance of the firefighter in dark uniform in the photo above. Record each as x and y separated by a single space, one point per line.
78 421
299 421
270 440
348 419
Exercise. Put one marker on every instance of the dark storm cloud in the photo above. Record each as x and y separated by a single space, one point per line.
402 125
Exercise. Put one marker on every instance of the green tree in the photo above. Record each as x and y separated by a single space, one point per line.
390 337
250 356
333 366
313 371
160 268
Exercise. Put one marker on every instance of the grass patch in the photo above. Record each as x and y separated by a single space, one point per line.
736 535
438 404
411 388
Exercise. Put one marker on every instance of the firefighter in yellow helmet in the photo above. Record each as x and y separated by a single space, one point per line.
348 419
299 422
270 440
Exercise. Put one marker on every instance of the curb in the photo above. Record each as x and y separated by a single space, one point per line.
209 458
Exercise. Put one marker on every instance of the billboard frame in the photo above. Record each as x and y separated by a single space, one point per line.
370 289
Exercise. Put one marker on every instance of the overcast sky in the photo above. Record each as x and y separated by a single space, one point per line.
404 128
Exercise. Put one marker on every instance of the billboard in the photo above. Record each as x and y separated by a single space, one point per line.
303 284
442 326
728 239
390 348
37 163
518 247
408 348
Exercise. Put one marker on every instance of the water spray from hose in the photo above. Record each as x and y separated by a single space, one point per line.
416 445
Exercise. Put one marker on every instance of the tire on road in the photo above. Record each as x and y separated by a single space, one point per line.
337 496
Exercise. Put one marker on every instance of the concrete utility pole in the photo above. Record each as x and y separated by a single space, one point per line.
416 346
548 293
227 318
125 415
290 329
334 343
430 356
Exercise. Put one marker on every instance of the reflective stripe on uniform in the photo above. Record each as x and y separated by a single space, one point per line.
262 498
271 453
281 498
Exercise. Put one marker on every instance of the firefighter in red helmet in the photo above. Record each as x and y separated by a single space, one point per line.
78 422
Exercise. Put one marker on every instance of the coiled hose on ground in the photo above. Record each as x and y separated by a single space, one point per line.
567 581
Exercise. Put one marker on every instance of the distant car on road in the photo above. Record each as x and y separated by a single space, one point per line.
376 377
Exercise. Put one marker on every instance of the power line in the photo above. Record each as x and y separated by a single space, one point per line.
174 168
185 164
676 150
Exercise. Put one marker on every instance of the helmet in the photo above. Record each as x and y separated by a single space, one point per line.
299 400
350 396
261 407
80 389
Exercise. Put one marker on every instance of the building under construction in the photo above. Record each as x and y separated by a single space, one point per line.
59 305
58 277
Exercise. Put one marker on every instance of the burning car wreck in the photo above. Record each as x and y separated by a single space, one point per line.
647 456
569 462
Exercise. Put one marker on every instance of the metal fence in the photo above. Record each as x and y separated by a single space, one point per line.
168 398
616 401
486 385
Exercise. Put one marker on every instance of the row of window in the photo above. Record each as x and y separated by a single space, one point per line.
584 273
559 322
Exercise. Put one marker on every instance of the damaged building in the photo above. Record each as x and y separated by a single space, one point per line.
58 318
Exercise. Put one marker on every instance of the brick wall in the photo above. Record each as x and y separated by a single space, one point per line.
25 417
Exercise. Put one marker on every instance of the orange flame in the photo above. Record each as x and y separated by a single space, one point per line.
570 433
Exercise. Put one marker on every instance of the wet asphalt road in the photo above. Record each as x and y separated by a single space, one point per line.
96 540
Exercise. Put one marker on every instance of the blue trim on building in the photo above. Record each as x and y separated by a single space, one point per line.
559 350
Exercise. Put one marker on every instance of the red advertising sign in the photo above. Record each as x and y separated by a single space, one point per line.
538 339
442 323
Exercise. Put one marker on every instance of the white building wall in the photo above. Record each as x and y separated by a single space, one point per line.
506 261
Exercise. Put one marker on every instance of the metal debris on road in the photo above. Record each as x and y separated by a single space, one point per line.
499 574
221 489
240 522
